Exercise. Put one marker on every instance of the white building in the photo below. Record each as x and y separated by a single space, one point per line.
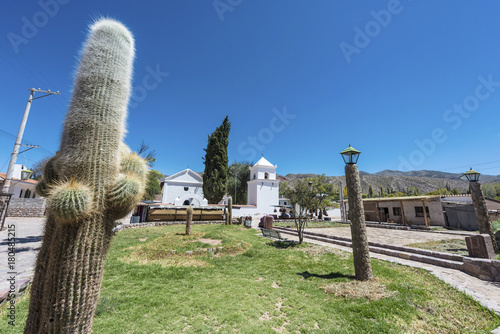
20 188
263 187
186 188
183 188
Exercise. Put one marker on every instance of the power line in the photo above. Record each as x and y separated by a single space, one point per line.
28 142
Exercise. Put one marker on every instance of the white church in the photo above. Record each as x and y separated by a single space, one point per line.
186 188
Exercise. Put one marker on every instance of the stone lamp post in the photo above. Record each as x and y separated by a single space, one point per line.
361 254
479 204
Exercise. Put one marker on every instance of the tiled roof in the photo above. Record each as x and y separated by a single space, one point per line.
3 176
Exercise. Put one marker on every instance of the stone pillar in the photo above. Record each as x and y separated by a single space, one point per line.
268 222
362 265
481 212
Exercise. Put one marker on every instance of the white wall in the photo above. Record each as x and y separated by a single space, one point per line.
17 186
264 194
334 213
173 190
260 172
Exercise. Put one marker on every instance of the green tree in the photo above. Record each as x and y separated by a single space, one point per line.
215 176
152 185
370 191
301 197
325 193
239 175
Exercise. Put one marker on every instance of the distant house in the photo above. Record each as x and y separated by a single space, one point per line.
460 213
183 188
20 188
411 210
285 203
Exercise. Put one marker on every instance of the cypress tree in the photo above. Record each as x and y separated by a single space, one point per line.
216 163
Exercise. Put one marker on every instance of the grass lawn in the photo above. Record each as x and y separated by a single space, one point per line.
317 224
455 246
254 285
496 225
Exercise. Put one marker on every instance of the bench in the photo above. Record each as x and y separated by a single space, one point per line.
272 234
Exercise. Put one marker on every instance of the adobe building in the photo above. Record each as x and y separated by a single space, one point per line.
411 210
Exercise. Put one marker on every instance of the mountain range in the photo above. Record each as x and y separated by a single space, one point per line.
425 180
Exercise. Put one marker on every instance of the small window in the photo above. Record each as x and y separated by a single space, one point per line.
419 211
27 193
186 188
266 175
254 176
186 202
284 203
21 194
33 195
396 211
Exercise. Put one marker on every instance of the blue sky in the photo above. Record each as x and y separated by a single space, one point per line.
412 84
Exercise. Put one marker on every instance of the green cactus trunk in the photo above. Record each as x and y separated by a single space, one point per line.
92 181
229 220
189 220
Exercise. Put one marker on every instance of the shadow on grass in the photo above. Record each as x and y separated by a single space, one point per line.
307 274
282 244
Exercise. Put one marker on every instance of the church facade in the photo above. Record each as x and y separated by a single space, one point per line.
186 188
183 188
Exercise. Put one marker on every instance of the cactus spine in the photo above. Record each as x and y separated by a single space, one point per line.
229 211
189 219
92 181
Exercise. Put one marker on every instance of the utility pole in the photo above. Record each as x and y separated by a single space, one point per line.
15 151
343 217
235 183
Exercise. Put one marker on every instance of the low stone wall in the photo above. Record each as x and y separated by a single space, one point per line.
152 224
27 207
488 270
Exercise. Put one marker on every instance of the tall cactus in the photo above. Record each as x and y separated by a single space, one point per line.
91 181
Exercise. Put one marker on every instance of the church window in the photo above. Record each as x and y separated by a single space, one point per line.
266 175
21 194
186 188
27 193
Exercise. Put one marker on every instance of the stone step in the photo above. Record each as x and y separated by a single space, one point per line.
401 252
442 255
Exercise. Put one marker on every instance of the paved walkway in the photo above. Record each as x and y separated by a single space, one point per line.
391 236
28 239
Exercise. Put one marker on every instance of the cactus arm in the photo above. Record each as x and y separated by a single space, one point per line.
128 188
71 201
